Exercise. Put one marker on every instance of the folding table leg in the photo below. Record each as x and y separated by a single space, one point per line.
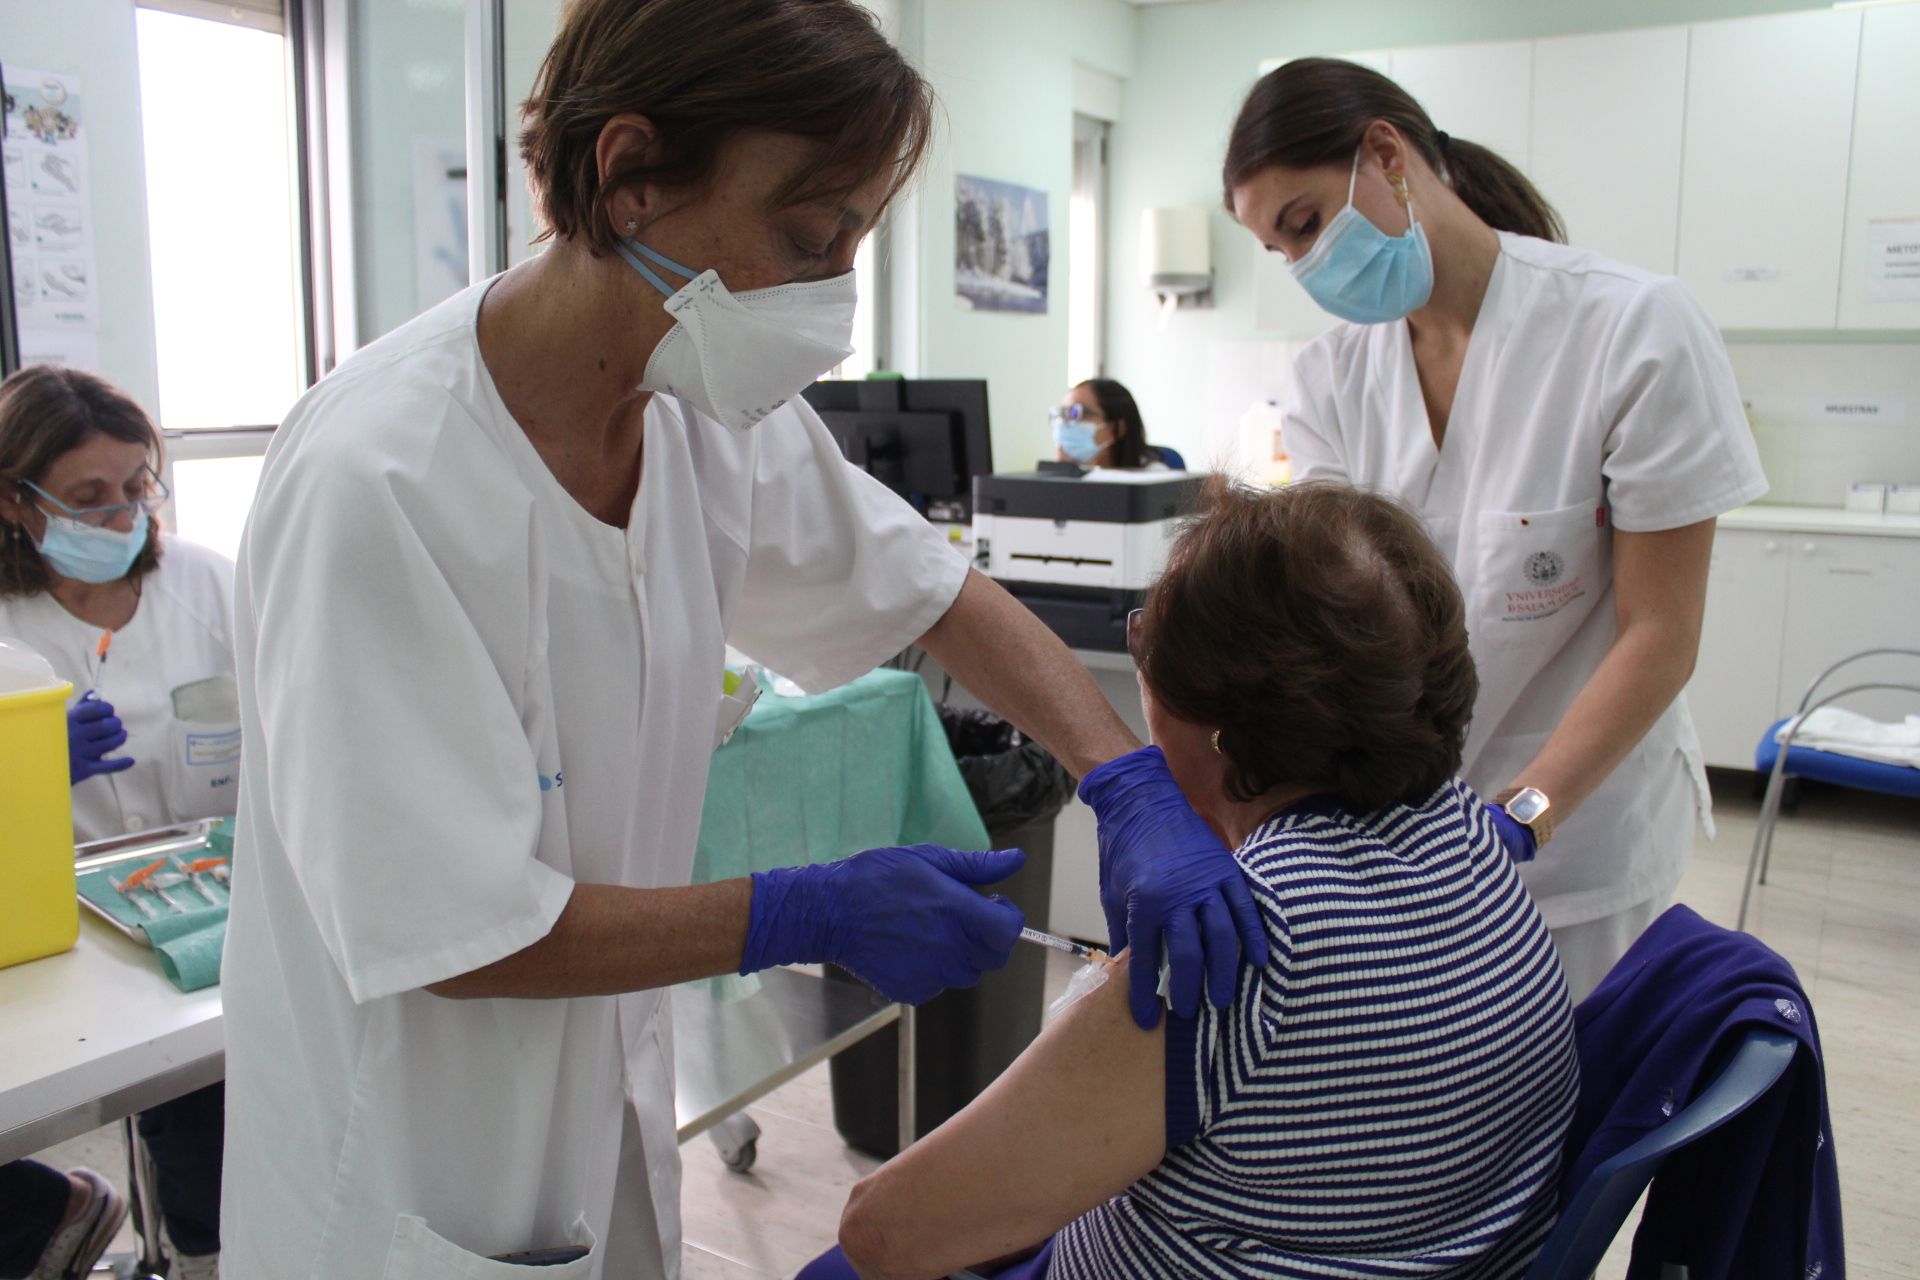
143 1208
909 1082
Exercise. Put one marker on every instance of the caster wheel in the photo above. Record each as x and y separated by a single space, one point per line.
741 1159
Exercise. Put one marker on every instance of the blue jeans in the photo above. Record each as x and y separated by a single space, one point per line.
184 1137
33 1199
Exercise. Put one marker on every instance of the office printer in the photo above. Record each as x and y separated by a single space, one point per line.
1080 553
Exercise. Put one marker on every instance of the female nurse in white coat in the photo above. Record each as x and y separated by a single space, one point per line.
141 624
1570 430
482 609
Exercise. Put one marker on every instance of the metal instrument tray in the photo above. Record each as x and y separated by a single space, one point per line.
156 842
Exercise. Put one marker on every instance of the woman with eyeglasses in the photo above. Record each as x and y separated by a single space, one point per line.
1098 425
141 623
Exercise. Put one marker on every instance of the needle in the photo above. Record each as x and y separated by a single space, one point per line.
1056 943
139 903
199 885
159 885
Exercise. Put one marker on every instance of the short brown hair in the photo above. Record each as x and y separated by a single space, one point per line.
1320 628
704 71
45 411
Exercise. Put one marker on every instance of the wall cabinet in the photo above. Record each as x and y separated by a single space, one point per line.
1764 160
1763 188
1609 158
1784 606
1883 187
1481 92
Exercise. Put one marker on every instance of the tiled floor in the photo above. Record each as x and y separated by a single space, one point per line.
1843 905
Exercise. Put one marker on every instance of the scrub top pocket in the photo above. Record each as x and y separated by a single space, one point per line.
420 1253
202 772
1541 574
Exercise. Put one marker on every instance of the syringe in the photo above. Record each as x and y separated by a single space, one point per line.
1054 942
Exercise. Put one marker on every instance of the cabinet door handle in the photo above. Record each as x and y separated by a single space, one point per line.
1810 547
1772 546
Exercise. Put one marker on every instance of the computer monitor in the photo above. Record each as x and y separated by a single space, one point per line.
924 438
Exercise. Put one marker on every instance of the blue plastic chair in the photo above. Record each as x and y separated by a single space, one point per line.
1782 760
1170 456
1597 1210
1593 1217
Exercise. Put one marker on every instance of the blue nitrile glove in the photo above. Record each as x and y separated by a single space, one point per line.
92 731
1165 878
1513 833
905 920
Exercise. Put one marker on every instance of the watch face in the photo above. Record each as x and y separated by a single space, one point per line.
1527 805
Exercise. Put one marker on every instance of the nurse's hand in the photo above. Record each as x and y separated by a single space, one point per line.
905 920
93 730
1514 834
1169 887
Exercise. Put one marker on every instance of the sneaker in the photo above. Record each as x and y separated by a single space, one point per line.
75 1247
202 1266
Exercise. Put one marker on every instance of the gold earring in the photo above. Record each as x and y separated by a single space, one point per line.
1399 188
1216 743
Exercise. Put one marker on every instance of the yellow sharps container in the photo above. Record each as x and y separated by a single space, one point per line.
36 810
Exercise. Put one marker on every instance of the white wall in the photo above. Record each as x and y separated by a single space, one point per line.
1004 72
94 40
1811 452
1194 66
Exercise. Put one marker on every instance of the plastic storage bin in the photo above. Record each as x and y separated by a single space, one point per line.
36 809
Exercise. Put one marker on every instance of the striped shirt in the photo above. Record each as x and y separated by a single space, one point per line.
1388 1096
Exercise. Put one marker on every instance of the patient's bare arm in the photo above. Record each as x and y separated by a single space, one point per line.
1078 1118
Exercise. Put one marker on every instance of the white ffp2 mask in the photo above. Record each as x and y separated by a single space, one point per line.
739 357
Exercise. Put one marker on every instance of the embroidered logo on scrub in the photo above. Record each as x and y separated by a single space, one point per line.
1548 590
1545 567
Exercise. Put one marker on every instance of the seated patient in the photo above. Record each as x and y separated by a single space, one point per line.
1388 1095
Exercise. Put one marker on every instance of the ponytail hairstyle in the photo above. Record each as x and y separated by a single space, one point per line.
1316 111
1129 448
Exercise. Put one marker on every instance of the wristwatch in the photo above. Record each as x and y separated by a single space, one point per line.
1529 807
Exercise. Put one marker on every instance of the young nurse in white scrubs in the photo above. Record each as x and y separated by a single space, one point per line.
1568 427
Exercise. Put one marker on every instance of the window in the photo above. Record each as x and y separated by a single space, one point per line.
213 103
220 210
866 312
1086 251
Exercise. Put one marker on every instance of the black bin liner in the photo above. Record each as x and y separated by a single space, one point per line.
963 1039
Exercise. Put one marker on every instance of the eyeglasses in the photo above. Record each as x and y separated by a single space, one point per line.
1136 628
1073 413
100 517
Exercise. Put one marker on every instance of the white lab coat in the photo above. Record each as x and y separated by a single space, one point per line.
1594 397
181 635
463 694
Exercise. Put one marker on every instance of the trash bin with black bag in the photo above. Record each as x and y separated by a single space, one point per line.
965 1038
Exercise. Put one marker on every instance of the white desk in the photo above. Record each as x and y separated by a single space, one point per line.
96 1035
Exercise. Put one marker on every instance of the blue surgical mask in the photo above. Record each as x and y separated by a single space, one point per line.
1360 273
88 554
1075 439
